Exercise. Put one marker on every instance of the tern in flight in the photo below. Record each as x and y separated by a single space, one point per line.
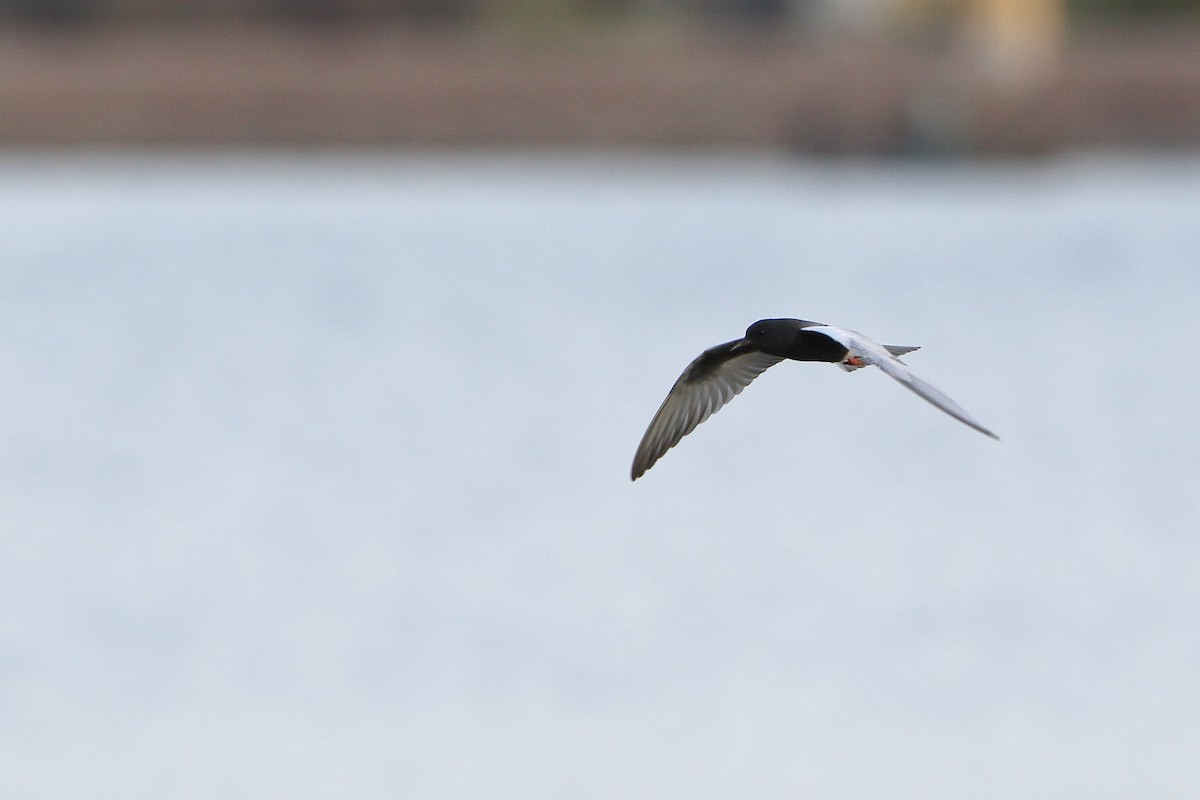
721 372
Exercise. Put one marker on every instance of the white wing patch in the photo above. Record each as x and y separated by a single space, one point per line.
874 353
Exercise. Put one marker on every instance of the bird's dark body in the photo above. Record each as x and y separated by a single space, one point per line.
774 337
813 346
790 338
786 338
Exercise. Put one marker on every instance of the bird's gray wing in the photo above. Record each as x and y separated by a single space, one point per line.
873 352
712 380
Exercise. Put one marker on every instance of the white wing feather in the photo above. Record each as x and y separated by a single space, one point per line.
874 353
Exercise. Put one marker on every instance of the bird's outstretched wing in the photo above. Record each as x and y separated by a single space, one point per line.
712 380
873 352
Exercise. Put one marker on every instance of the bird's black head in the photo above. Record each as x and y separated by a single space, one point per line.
774 336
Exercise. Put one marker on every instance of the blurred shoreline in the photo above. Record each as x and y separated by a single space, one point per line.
248 85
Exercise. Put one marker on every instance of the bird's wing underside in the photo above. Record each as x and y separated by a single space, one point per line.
712 380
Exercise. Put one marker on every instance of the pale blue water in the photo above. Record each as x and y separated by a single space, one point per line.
314 480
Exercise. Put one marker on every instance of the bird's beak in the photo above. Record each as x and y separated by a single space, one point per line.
740 346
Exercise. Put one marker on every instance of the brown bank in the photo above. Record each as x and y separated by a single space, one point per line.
275 85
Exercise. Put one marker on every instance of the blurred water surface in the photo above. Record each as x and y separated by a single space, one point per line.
315 479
